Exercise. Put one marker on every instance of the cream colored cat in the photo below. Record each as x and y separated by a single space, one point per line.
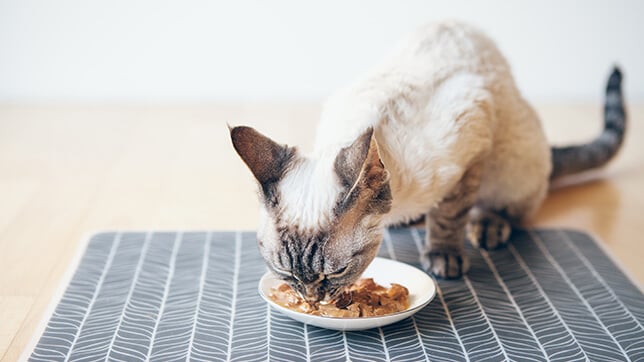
438 129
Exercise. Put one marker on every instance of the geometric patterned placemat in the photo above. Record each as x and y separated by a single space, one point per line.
164 296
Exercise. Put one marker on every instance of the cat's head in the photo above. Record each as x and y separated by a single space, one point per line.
320 219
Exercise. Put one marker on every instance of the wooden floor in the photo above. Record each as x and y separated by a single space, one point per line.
69 171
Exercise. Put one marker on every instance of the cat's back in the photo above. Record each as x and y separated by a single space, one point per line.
421 63
438 50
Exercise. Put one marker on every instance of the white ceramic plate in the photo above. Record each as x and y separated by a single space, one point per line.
421 286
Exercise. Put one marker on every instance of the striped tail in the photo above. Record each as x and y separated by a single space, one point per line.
573 159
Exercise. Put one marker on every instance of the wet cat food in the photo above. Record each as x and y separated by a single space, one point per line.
364 298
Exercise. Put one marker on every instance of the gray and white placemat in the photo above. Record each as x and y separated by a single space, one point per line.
164 296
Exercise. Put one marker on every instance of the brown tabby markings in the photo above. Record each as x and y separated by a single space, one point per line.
320 259
445 227
365 193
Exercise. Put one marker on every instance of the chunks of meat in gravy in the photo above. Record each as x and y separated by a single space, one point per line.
364 298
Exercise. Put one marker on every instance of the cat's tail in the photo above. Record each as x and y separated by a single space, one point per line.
573 159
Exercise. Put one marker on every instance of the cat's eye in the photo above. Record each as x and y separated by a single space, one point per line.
338 273
283 274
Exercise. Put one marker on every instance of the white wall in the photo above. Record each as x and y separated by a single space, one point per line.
149 50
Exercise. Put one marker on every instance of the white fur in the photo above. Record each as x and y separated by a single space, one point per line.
309 192
442 101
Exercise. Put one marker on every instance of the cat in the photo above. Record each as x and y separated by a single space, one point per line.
439 129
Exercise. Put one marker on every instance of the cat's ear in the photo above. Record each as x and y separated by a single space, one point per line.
360 161
265 158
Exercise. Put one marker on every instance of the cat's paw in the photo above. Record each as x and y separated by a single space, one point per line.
446 264
488 230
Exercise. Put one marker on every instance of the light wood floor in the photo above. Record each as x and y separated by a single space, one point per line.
69 171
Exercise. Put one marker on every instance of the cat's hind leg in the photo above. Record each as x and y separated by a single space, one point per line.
487 229
445 253
490 229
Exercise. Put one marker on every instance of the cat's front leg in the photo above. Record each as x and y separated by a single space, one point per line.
445 253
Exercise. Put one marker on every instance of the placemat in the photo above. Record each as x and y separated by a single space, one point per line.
166 296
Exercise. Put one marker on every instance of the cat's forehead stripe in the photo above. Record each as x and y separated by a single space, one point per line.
303 251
